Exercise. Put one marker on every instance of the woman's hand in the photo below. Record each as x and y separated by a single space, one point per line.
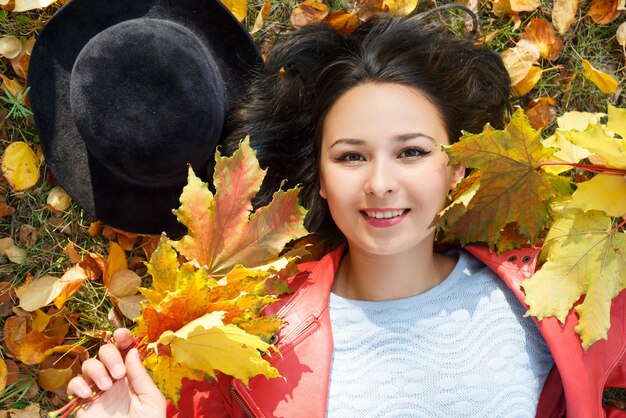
130 392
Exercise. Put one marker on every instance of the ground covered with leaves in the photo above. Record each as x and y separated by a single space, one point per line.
67 280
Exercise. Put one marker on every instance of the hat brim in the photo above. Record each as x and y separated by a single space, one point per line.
91 184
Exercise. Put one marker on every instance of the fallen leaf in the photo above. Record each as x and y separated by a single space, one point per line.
527 83
5 209
512 187
603 11
368 8
400 7
13 86
261 17
71 253
6 291
115 262
343 22
542 35
46 289
124 283
616 122
567 152
239 8
620 35
15 254
28 235
126 240
564 14
520 59
28 345
524 5
585 258
13 371
308 12
4 373
94 228
149 244
20 166
10 47
541 112
6 243
597 140
58 200
25 5
56 371
603 81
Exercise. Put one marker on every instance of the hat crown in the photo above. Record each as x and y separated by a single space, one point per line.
148 98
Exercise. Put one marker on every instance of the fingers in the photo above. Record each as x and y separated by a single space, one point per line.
138 377
122 338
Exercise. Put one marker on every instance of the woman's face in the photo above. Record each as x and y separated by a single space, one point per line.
382 170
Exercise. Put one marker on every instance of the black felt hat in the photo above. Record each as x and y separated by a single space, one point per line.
126 93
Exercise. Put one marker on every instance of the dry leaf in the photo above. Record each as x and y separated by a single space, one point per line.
541 112
124 289
400 7
20 166
261 17
308 12
620 35
94 228
603 11
564 14
541 33
239 8
71 252
15 254
528 82
10 47
126 240
5 243
524 5
603 81
343 22
28 235
25 5
13 86
4 373
58 200
46 289
115 262
31 411
519 60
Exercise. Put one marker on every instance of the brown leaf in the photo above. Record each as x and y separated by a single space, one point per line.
149 244
13 371
541 112
10 47
61 364
3 375
126 240
15 254
564 14
71 252
72 280
20 64
343 22
5 209
109 233
14 87
31 411
6 243
6 291
603 11
93 265
95 228
28 235
124 283
28 345
368 8
541 33
308 12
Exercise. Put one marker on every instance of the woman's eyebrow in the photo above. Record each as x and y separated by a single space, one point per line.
349 141
412 135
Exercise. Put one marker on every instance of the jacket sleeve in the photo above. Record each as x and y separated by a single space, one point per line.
199 399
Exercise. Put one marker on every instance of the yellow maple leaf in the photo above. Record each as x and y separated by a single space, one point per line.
605 192
603 81
400 7
209 345
585 256
617 121
168 374
597 140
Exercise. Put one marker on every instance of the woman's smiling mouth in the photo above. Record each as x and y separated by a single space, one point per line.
384 217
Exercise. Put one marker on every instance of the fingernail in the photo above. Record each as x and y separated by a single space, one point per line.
104 383
117 371
84 391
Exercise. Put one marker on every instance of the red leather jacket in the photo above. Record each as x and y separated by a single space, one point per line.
573 388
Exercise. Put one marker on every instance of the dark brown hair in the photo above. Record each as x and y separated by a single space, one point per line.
285 108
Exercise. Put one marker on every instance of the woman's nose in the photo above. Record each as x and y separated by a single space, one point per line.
380 180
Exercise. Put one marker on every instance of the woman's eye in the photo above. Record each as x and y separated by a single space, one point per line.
350 157
413 152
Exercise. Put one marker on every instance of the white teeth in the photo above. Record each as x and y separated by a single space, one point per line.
384 215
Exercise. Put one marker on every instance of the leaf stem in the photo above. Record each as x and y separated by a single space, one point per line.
588 167
621 224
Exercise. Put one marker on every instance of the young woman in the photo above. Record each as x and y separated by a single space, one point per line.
383 325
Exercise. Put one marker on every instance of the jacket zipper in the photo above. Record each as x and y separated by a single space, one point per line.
241 403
